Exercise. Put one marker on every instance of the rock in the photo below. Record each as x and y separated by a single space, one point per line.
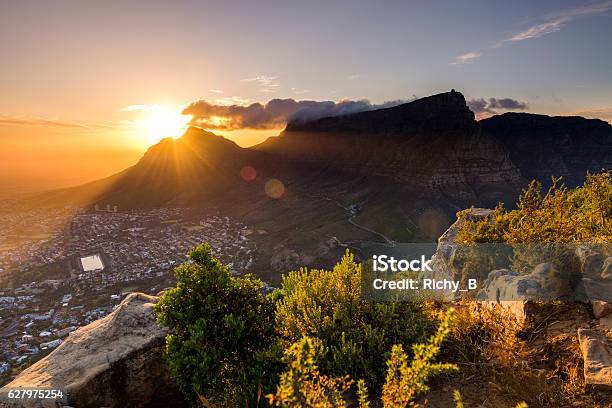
555 284
601 308
597 289
591 262
116 361
512 291
606 270
605 323
596 351
443 262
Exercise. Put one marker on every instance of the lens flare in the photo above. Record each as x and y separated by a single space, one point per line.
248 173
158 122
274 188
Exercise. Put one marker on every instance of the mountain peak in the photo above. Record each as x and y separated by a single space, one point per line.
448 109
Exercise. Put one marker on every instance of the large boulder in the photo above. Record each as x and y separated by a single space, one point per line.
116 361
443 262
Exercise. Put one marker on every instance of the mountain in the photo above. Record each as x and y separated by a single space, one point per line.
435 144
395 174
174 172
541 146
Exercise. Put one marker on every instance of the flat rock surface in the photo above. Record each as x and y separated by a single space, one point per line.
115 361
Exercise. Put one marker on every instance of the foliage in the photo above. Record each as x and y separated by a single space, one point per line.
458 399
407 381
362 394
480 335
302 385
221 329
357 335
583 214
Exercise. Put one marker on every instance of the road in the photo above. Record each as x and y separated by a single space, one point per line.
351 220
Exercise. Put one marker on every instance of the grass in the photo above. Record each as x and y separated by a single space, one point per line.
539 363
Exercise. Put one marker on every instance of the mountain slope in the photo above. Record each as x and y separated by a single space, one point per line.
198 166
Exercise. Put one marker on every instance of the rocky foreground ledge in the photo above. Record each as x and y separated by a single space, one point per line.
116 361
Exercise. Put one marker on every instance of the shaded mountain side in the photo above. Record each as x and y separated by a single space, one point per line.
541 146
199 166
431 144
435 144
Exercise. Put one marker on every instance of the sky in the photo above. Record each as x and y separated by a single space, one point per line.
87 87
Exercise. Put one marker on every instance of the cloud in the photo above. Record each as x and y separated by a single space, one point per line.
539 30
217 91
353 76
550 24
267 83
273 114
492 106
466 58
36 121
555 22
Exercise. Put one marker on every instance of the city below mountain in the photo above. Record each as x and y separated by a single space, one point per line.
390 175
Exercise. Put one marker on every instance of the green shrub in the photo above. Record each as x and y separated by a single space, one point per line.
221 343
356 335
407 381
302 385
583 214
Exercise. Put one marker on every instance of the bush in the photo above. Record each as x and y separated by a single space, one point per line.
356 335
406 381
583 214
221 332
480 335
303 386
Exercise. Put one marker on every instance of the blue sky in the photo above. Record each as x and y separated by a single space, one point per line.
149 52
92 85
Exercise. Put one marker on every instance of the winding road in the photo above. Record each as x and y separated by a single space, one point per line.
351 220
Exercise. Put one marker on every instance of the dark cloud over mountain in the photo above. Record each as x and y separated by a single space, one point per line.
274 114
494 105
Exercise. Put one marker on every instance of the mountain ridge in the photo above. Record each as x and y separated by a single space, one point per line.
405 171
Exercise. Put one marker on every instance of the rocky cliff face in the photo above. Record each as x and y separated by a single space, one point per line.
541 146
113 362
434 143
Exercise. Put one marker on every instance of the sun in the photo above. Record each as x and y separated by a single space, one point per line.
158 122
